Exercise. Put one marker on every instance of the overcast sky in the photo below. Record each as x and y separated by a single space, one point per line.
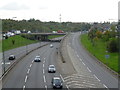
70 10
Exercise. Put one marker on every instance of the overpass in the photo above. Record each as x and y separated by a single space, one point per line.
43 36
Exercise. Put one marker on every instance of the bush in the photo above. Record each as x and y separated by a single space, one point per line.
112 45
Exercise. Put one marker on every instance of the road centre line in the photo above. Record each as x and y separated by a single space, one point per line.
23 87
46 87
88 69
43 65
96 77
30 65
43 71
32 61
62 78
28 71
26 78
78 56
44 78
80 59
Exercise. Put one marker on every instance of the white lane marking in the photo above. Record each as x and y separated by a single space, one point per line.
23 87
105 86
96 77
67 87
46 87
43 65
28 71
44 58
43 61
30 65
80 59
26 78
88 69
43 71
6 63
83 63
78 56
44 78
62 78
32 61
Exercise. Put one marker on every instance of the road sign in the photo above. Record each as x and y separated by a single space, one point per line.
107 56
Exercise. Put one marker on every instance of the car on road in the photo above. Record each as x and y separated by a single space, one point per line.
57 82
51 45
37 59
37 56
11 57
51 69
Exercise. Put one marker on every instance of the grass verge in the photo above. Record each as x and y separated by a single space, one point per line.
18 41
99 51
54 36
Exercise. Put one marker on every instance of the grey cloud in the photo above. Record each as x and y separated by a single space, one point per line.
14 6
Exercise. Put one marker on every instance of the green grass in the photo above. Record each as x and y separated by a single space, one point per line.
19 41
99 51
54 36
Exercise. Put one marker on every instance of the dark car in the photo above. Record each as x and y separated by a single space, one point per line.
11 57
57 82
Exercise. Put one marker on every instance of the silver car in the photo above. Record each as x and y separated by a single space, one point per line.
51 69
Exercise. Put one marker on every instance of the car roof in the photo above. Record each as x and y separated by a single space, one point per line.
11 55
56 77
51 65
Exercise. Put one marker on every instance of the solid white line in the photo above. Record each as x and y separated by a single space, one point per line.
28 71
62 78
26 78
83 63
43 65
105 86
23 87
43 71
30 65
88 69
44 78
96 77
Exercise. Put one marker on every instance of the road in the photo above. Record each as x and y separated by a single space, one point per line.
98 71
19 52
30 74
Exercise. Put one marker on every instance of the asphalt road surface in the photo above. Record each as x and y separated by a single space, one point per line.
18 52
30 74
98 71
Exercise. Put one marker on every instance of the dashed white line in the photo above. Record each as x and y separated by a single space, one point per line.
96 77
32 61
105 86
62 78
23 87
43 61
46 86
44 58
83 63
28 71
80 59
78 56
88 69
43 65
43 71
26 78
30 65
44 78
